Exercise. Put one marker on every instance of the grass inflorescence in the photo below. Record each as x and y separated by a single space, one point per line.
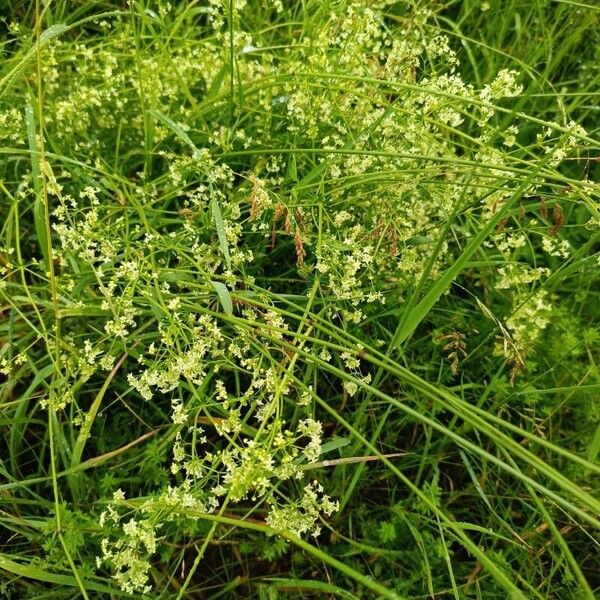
299 299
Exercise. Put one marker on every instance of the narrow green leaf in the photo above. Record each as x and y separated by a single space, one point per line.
175 128
217 83
39 211
411 321
292 169
52 32
224 297
37 574
218 217
83 311
334 444
594 447
309 584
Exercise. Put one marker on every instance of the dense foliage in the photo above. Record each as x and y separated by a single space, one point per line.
299 299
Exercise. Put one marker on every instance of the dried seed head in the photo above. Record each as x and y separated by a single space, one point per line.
558 219
543 207
259 197
502 224
186 213
288 223
280 210
300 251
300 219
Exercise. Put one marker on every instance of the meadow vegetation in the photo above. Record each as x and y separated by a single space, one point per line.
299 299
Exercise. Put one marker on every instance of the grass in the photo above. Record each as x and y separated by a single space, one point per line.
299 299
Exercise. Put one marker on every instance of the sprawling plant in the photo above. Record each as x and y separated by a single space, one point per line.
288 274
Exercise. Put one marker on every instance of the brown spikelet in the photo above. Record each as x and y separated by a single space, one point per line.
517 365
280 210
455 348
558 219
186 213
543 207
289 353
288 223
300 219
255 209
376 233
300 251
502 224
